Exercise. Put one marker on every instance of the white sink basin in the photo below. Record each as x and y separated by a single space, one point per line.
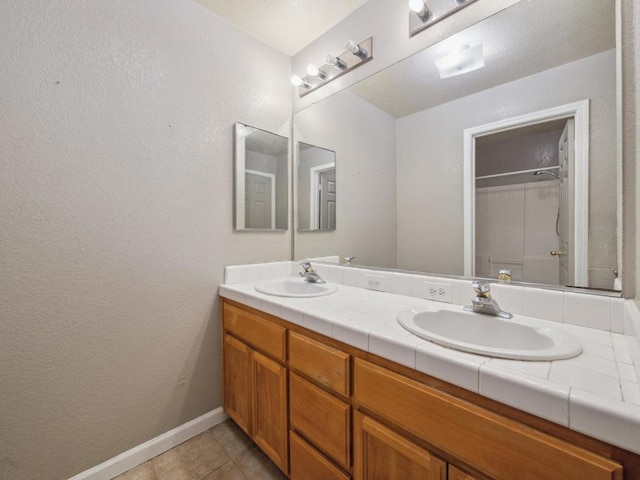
294 287
519 338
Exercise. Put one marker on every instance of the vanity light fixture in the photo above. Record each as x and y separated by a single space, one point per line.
316 72
300 82
424 13
462 60
356 55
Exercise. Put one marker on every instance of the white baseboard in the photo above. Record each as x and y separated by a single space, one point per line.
147 450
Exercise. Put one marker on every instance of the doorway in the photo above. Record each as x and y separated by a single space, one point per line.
526 207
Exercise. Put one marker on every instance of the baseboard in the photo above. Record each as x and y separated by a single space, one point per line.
147 450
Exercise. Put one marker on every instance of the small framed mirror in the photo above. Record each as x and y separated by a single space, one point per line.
316 188
261 179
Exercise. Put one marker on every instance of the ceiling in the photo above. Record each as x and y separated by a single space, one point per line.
526 38
285 25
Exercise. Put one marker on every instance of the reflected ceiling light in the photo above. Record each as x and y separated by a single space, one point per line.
297 81
336 62
463 60
356 49
420 8
316 72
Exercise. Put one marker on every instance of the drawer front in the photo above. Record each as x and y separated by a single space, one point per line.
327 366
473 434
320 418
261 334
306 463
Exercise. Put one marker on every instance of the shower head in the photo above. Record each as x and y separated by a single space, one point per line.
542 172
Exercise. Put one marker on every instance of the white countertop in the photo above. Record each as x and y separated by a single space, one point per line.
596 393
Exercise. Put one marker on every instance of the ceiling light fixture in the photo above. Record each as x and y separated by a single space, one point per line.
462 60
425 13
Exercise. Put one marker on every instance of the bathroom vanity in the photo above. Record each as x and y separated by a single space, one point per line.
324 409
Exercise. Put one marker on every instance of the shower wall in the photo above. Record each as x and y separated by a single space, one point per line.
516 230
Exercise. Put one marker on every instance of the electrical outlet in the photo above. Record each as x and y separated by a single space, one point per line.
373 282
440 292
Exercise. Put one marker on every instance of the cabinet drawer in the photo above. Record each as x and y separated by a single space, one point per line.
320 418
307 464
473 434
261 334
327 366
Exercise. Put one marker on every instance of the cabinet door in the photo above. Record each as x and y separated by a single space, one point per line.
382 454
237 382
455 474
269 424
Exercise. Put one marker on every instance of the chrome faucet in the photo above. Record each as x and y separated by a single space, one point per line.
309 274
483 303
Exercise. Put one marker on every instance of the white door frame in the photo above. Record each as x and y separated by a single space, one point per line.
272 178
314 206
580 112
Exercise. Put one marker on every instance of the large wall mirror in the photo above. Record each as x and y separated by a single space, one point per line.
261 179
412 134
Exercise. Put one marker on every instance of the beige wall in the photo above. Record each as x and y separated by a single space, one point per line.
430 161
116 146
364 140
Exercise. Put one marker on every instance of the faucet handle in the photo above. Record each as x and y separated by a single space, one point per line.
481 286
306 266
348 260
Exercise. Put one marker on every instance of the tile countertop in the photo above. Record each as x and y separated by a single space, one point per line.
596 393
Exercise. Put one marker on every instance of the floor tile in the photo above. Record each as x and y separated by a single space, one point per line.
192 459
228 471
257 466
232 438
141 472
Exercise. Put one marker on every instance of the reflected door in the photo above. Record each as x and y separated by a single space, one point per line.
327 192
259 212
566 221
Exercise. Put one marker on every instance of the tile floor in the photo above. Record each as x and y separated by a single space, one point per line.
223 452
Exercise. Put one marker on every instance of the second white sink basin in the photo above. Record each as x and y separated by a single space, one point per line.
294 287
519 338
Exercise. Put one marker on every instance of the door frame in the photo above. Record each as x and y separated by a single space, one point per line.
579 111
272 179
314 205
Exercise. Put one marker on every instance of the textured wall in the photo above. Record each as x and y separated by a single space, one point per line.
364 140
116 146
431 179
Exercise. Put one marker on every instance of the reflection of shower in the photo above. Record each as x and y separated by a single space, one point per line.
557 177
542 172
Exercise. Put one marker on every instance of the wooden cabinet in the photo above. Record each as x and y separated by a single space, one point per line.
322 419
382 454
308 464
322 410
255 385
237 382
269 424
489 442
456 474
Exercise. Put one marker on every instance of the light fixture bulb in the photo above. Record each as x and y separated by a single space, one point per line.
420 8
336 62
356 49
316 72
297 81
